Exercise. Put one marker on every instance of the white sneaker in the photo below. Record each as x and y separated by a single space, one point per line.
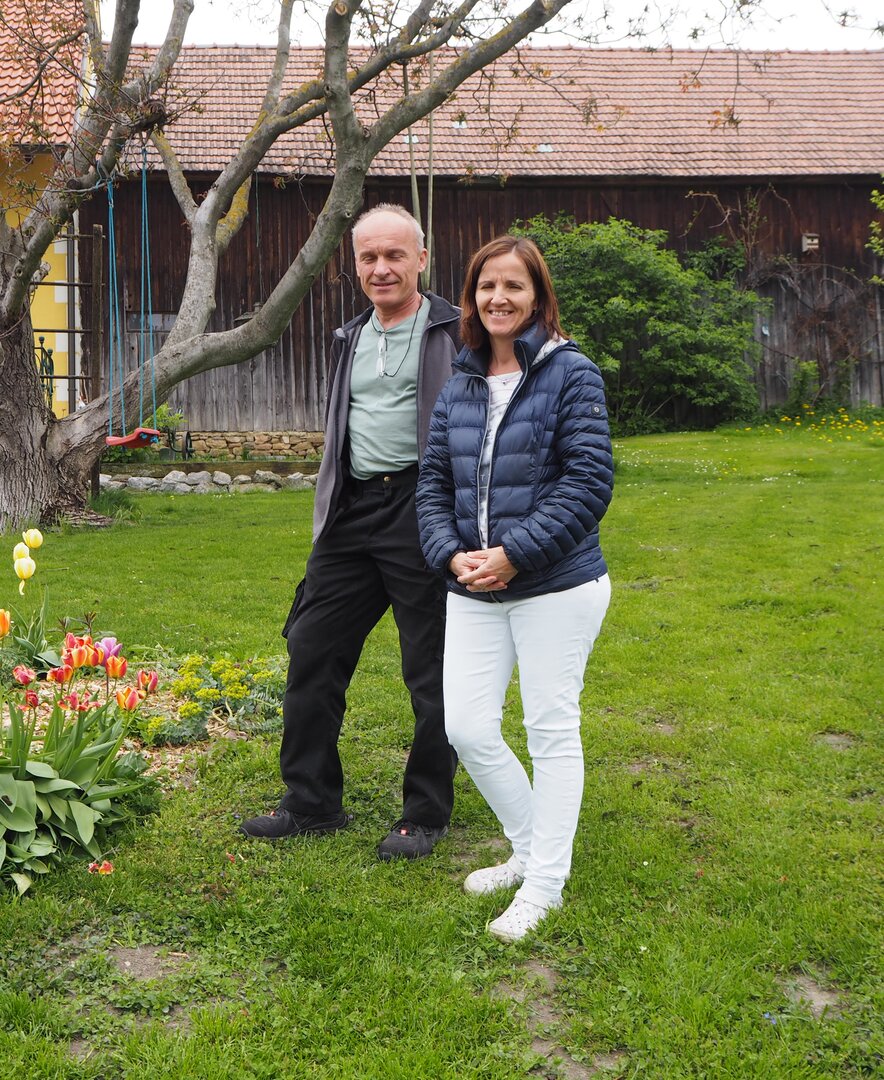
491 878
519 919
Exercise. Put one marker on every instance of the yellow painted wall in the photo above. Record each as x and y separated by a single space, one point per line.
50 306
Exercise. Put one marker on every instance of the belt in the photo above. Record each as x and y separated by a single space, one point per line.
385 481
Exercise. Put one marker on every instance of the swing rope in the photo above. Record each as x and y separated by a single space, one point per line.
146 331
115 344
141 436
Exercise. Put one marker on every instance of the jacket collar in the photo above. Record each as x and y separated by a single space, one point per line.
528 347
441 312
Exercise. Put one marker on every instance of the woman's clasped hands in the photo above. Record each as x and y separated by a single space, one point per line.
487 570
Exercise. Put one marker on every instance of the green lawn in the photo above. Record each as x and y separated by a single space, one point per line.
728 849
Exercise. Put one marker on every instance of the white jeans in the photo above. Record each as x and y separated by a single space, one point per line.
551 637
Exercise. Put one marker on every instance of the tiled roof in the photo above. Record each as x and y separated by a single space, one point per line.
587 112
30 29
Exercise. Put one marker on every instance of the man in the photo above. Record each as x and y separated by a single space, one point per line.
387 368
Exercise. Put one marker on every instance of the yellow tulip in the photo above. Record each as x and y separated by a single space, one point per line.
33 538
20 551
24 569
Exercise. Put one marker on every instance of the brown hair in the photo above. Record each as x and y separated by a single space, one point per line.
472 331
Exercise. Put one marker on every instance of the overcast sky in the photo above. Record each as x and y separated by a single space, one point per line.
786 24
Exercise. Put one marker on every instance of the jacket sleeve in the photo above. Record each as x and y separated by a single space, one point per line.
572 510
437 524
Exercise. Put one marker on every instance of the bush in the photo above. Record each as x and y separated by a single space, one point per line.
675 343
246 696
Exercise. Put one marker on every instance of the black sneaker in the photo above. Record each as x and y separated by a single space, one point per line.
280 823
407 840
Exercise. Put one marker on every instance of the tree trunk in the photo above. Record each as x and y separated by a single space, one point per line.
42 477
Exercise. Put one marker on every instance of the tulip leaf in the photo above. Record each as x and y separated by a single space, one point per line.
83 771
60 806
44 806
40 768
47 786
27 796
22 883
84 820
18 819
2 852
8 790
41 846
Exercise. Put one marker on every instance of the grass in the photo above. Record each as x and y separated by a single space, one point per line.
728 844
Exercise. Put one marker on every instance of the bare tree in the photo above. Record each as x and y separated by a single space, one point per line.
45 461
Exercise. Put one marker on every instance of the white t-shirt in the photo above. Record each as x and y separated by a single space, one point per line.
500 390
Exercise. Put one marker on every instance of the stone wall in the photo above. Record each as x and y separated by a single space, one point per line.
257 444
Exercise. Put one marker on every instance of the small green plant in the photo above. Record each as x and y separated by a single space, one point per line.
245 695
117 504
166 420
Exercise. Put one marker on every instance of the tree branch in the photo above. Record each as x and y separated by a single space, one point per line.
281 60
409 109
177 179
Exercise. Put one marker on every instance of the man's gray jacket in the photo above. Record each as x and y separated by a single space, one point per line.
440 345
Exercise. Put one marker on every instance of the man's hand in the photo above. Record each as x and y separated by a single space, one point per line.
488 570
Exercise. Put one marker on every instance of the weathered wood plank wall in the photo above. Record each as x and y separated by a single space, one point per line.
817 307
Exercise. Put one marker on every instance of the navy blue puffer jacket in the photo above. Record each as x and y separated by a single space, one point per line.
551 472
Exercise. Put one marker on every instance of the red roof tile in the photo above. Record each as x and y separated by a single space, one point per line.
588 112
42 114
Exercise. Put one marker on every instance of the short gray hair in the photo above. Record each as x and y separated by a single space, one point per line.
399 211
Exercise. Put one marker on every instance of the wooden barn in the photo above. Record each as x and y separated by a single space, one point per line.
778 151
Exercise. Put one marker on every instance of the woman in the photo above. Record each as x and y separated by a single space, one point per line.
516 477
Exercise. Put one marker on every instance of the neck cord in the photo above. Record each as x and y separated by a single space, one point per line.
382 346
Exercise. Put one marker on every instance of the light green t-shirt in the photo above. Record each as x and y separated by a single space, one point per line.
382 422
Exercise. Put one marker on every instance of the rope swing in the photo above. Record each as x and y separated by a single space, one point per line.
141 436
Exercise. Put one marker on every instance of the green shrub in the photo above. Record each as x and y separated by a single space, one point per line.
675 343
245 695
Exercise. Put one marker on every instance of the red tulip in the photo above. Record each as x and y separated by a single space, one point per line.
61 674
116 666
23 675
78 656
31 699
147 681
128 698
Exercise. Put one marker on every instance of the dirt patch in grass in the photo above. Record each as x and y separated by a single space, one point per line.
665 728
838 740
145 961
804 990
533 987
